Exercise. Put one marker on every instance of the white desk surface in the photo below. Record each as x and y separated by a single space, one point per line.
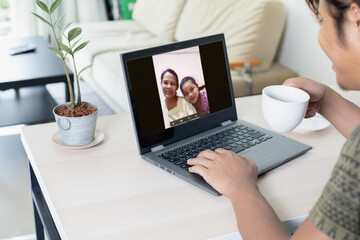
109 192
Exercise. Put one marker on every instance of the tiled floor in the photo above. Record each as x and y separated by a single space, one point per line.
16 213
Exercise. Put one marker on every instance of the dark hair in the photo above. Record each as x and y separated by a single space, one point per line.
337 9
169 70
185 79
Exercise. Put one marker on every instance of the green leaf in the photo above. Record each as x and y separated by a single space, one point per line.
59 20
84 69
73 45
67 26
58 52
54 6
41 18
63 30
43 6
74 33
81 46
66 49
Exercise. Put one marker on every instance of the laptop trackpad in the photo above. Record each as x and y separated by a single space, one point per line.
260 159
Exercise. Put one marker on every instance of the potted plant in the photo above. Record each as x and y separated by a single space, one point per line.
76 120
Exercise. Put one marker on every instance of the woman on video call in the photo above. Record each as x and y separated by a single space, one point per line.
336 214
198 99
177 106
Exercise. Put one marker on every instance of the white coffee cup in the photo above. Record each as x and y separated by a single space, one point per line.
284 107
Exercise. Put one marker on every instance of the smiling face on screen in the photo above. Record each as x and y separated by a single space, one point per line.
169 84
190 91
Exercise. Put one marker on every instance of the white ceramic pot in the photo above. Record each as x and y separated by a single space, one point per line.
76 131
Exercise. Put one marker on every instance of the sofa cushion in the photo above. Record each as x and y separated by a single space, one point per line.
158 16
252 28
114 36
109 80
275 75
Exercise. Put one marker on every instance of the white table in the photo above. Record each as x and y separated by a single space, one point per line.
109 192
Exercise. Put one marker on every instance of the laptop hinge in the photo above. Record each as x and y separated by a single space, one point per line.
226 123
157 148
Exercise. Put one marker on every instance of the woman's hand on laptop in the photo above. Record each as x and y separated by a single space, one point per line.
227 172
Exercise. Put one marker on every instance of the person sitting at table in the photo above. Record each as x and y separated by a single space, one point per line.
198 98
336 214
177 106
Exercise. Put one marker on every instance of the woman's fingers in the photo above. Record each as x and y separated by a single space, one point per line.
294 82
201 170
221 150
310 113
200 161
208 154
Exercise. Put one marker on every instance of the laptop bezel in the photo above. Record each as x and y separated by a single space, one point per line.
185 130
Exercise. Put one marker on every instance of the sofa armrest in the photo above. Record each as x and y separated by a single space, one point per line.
253 62
245 71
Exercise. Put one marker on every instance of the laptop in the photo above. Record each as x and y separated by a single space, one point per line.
167 136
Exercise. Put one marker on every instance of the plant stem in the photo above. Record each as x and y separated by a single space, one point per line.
72 100
77 83
77 77
77 80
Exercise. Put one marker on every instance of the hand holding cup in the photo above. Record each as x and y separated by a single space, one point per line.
284 107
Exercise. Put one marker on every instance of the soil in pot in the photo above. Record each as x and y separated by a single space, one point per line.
80 111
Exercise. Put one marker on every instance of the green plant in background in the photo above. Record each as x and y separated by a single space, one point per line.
62 49
4 3
127 7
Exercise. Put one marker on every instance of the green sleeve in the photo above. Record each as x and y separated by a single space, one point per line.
337 212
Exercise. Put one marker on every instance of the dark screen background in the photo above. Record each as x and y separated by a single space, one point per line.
146 96
216 77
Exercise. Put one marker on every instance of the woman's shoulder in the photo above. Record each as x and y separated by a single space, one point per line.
349 160
340 196
352 145
181 99
186 105
183 102
356 133
203 92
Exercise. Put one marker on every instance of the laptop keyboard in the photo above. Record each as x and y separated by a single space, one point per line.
236 139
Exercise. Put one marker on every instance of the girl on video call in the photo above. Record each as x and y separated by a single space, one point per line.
177 106
196 97
336 214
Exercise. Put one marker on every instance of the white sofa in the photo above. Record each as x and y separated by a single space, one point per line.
252 29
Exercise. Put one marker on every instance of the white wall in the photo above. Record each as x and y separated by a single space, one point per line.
91 10
23 23
300 50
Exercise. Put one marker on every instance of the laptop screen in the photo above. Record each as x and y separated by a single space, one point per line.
179 89
181 86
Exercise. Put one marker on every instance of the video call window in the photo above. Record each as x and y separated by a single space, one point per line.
181 86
